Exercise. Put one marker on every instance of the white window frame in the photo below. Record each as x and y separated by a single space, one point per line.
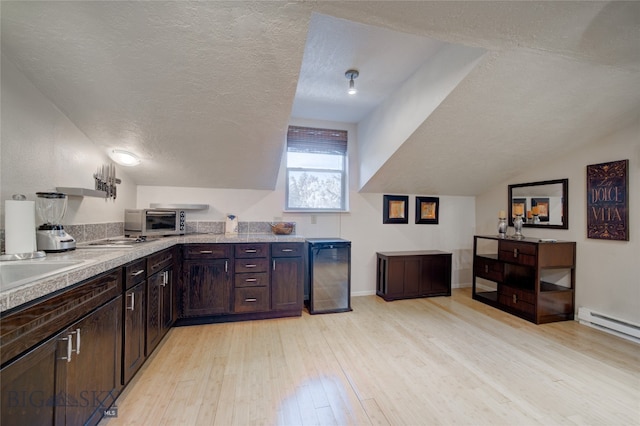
343 180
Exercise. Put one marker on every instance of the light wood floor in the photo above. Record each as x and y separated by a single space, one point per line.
445 360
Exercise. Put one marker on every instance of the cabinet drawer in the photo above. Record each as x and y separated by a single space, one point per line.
260 279
159 261
135 272
515 252
252 250
518 298
488 268
287 249
251 299
208 251
515 303
251 265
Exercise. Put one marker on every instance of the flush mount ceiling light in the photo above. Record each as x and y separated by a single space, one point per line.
124 158
351 75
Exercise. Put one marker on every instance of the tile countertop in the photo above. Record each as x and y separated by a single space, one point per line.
98 261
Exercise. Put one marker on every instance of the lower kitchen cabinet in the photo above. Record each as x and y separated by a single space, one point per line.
287 279
29 384
93 367
134 331
207 279
71 378
159 307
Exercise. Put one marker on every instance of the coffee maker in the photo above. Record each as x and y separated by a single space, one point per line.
51 236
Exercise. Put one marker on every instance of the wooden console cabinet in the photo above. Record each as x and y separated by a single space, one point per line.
530 278
412 274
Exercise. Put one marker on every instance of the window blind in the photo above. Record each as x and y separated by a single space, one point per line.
316 141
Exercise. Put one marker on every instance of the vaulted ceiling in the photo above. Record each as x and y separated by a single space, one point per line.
203 92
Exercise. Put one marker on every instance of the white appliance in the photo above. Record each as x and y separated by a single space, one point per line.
51 236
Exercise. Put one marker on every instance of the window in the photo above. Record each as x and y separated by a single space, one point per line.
316 169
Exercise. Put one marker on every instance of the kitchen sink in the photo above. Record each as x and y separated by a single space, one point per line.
16 273
116 243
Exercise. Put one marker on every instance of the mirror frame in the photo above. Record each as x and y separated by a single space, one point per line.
565 203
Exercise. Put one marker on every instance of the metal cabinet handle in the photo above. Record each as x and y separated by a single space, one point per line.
251 280
165 278
250 265
251 251
206 251
274 264
226 266
69 348
251 299
286 250
515 298
133 301
77 341
515 252
136 273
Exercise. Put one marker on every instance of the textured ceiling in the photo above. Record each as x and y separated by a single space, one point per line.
204 91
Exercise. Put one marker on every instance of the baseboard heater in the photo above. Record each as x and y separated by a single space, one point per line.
609 324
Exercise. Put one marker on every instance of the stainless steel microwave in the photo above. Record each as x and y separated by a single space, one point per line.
153 222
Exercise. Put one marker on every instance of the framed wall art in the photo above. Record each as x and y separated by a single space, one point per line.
542 205
608 201
427 210
395 209
518 206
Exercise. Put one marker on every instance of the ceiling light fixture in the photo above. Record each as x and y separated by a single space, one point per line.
124 158
351 75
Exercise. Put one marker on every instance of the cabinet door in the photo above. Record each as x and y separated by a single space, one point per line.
436 275
395 277
134 326
93 374
159 307
29 386
206 287
413 278
286 283
166 314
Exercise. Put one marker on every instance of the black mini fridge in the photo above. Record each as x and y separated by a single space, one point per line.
329 275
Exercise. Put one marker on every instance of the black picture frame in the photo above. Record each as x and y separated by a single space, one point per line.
395 209
427 210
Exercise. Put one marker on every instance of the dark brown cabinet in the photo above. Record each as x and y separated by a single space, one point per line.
159 297
411 274
530 278
287 280
134 326
251 280
58 382
207 279
134 314
222 282
29 384
93 369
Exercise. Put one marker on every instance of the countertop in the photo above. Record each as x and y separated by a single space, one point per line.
97 261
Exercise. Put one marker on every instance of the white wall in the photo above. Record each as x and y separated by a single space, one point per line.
41 150
362 225
606 271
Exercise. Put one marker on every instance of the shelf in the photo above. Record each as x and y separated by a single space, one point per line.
82 192
179 206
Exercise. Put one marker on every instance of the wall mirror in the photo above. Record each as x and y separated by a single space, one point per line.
543 204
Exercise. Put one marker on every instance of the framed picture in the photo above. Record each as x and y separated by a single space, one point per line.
395 209
608 201
518 206
543 208
427 210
